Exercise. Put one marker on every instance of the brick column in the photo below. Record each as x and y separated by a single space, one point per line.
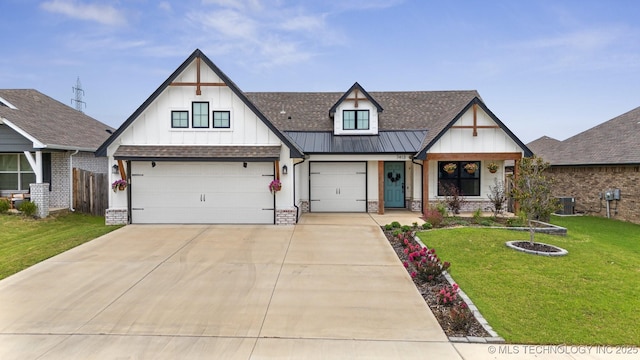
40 197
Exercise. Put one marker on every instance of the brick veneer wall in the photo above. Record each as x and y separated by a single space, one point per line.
116 217
286 216
40 197
585 183
60 176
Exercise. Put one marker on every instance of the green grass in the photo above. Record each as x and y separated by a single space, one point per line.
590 296
25 242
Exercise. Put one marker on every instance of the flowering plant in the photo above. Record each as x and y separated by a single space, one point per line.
493 167
471 167
427 265
450 167
448 295
275 185
119 185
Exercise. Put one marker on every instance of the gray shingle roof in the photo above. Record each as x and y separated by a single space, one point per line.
393 142
201 152
51 122
616 141
403 110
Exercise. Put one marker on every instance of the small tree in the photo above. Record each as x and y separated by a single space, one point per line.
532 190
498 196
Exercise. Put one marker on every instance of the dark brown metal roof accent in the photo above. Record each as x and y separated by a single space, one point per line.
386 142
198 153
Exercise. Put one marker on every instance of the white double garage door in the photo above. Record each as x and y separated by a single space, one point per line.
230 193
202 193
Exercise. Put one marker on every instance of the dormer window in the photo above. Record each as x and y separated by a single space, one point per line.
355 119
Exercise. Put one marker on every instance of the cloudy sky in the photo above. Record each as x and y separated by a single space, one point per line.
553 67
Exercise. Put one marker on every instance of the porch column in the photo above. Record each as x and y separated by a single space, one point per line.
381 187
36 164
425 185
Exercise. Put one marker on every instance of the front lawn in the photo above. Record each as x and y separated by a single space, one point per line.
591 296
24 241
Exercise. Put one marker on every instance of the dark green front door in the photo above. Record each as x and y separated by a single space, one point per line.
394 184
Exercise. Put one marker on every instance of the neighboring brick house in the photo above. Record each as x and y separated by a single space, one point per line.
41 141
588 165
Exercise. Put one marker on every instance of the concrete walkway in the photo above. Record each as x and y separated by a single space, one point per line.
328 288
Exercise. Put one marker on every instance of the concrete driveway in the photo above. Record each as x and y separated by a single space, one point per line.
330 287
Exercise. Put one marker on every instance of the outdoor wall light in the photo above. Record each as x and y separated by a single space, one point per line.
244 164
285 170
153 164
115 169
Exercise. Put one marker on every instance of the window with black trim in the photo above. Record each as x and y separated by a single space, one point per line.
221 119
355 119
179 119
463 175
200 114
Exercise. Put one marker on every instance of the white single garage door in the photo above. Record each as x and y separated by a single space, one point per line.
338 186
201 193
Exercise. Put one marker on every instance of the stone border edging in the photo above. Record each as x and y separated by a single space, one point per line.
494 338
547 229
562 251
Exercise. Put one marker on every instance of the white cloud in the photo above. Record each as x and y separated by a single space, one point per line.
103 14
165 5
267 33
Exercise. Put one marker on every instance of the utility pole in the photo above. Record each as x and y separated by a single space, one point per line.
79 94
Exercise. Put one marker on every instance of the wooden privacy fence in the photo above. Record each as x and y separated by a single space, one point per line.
90 192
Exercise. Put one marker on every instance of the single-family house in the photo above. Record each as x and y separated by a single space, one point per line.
598 168
199 150
41 141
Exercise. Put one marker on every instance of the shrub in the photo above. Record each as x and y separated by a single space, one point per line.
442 209
486 222
453 197
427 225
405 228
28 208
477 215
433 216
448 295
395 225
498 196
4 206
460 316
388 227
426 264
415 225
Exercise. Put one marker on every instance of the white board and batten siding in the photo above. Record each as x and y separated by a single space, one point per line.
153 126
338 186
493 140
201 193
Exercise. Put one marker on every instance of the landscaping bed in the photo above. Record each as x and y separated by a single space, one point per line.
453 315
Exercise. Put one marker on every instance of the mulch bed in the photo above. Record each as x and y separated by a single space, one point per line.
429 293
536 247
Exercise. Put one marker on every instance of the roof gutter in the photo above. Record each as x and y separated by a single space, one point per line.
294 188
421 183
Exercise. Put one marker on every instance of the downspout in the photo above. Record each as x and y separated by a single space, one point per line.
294 189
421 183
71 181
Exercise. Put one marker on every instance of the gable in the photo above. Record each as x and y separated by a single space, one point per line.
199 91
12 141
355 113
475 130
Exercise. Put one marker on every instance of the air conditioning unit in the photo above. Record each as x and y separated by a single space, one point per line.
567 205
